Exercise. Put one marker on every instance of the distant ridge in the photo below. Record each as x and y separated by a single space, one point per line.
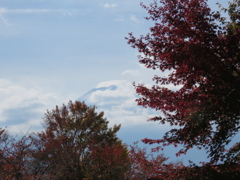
85 96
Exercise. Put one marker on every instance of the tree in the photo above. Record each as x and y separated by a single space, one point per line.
68 145
201 49
143 165
108 162
15 157
146 165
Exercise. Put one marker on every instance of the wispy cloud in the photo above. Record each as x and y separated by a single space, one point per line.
65 12
5 11
108 5
135 19
129 19
4 20
24 11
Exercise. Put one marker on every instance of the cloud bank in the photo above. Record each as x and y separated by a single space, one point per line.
118 103
23 108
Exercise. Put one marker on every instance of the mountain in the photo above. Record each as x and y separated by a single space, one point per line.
89 93
118 101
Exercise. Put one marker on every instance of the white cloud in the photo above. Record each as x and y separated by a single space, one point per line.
66 12
131 72
108 5
129 19
63 12
24 11
22 108
135 19
119 104
3 10
4 20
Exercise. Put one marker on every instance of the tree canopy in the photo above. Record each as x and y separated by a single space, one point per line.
201 49
76 143
74 139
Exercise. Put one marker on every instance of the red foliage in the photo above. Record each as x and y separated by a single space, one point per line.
146 165
108 161
15 157
75 144
201 50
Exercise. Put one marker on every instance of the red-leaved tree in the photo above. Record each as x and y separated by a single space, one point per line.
109 161
201 49
77 143
15 157
148 165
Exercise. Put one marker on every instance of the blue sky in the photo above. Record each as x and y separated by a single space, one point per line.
53 51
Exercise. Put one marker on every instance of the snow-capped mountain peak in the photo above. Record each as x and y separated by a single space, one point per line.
86 96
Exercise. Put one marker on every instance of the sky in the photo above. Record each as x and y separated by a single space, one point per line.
53 51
